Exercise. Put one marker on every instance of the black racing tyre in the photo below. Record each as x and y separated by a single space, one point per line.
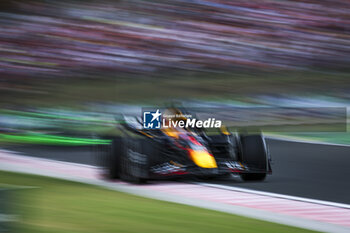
113 158
254 155
135 161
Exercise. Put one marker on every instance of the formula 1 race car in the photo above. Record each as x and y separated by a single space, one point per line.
139 154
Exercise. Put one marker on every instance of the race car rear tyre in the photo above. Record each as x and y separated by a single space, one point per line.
134 162
126 174
117 150
254 155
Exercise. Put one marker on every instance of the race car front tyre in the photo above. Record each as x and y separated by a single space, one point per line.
254 155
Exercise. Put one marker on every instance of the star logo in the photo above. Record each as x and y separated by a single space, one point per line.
156 115
152 120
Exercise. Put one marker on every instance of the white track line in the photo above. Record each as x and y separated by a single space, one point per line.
274 209
288 139
19 154
289 197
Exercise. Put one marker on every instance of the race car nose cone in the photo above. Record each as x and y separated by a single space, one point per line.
202 158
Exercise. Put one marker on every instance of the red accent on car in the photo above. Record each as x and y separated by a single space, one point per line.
235 170
194 140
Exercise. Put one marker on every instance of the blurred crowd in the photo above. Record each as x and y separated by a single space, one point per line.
59 38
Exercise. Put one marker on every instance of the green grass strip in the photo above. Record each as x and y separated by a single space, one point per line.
59 206
43 139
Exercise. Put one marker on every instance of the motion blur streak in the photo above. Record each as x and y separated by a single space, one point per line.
74 72
54 38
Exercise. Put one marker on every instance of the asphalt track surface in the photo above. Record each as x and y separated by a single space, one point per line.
299 169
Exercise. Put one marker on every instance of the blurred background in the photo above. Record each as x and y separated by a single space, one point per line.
69 65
